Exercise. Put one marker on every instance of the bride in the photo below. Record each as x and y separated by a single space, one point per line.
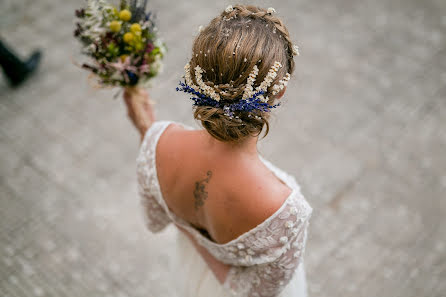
242 221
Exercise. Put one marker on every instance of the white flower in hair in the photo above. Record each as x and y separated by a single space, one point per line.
281 85
207 90
296 50
188 78
229 9
249 90
271 10
272 73
200 28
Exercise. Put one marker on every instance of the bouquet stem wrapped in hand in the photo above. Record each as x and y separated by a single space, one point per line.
122 42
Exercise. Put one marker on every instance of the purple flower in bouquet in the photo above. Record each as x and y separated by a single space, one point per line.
149 48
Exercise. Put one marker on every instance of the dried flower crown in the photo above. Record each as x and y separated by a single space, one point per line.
251 101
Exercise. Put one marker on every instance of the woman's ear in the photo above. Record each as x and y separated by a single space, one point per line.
281 93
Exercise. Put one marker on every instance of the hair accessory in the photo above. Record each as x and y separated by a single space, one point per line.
187 77
272 73
229 9
296 50
207 90
247 105
249 90
271 10
251 100
277 88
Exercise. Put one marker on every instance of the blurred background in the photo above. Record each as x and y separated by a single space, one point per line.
362 128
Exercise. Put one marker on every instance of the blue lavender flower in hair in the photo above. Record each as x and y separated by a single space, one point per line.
249 105
228 111
200 99
252 104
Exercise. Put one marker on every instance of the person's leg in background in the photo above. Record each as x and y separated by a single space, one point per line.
16 70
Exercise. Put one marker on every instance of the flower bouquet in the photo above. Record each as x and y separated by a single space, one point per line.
122 42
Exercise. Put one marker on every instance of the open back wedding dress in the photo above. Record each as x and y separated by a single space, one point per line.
265 261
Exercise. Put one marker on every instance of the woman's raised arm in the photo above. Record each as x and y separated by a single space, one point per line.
139 109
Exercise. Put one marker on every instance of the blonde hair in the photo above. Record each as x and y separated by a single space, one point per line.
227 50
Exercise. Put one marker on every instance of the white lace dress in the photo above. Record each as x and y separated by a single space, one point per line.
265 261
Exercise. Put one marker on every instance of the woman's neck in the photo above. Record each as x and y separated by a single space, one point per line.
247 147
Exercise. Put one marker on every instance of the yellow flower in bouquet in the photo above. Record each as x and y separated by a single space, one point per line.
135 28
128 37
115 26
125 15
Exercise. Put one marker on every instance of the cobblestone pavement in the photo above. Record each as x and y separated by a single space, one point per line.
362 129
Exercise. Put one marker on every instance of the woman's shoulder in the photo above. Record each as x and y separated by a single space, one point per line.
178 125
173 135
159 128
167 135
172 140
251 200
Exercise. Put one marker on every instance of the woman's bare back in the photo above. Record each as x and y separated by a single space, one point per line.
221 190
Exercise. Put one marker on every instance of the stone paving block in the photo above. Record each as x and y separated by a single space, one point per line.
360 128
9 219
376 204
319 181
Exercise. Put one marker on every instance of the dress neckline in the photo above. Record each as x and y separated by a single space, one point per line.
295 191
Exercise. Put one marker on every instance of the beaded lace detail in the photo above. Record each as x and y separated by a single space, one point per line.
264 258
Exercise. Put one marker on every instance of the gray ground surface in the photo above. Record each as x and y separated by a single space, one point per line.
362 130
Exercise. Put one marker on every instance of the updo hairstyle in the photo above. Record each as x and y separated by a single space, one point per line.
227 50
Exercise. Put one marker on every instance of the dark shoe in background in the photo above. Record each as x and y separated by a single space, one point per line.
17 71
29 67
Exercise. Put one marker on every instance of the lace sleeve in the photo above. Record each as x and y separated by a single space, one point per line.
269 279
155 215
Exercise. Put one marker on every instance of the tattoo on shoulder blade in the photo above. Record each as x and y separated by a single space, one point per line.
200 193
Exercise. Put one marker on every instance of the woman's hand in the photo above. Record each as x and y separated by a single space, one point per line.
139 108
